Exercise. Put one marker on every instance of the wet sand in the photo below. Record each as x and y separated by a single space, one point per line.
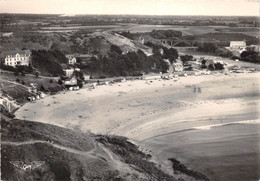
218 126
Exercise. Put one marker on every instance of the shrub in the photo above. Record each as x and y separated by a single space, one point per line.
16 73
7 67
208 47
219 66
60 82
80 84
115 48
42 88
22 68
211 67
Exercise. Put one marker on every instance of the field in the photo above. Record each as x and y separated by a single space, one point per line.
186 30
137 28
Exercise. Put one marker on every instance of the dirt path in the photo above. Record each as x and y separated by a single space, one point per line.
68 149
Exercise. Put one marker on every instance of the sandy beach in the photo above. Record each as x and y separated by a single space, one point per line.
171 119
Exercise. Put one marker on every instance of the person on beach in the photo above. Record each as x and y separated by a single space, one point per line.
194 89
199 90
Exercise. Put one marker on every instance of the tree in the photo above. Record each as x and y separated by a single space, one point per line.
79 75
186 58
7 67
51 81
60 82
115 48
80 84
48 62
170 53
42 88
211 67
219 66
208 47
203 63
23 82
250 56
245 54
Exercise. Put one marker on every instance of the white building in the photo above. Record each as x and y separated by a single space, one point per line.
177 67
68 72
72 59
71 82
255 48
20 57
237 44
209 62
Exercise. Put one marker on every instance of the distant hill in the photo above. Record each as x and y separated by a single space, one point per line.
83 42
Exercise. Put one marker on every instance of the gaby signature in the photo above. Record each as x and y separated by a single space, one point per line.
24 166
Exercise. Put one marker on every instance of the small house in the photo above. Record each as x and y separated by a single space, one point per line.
71 82
177 67
71 59
209 62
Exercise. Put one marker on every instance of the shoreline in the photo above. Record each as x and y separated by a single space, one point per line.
138 108
131 93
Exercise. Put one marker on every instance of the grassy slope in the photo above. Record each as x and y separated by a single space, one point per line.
19 92
72 155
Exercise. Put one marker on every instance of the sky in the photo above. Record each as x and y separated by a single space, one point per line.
140 7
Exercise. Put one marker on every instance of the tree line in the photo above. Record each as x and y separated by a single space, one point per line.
116 64
48 62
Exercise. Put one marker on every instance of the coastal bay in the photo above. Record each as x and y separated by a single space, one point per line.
215 131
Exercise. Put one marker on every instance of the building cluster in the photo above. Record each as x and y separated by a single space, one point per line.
237 47
23 57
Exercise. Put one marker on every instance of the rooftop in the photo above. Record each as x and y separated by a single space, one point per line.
14 52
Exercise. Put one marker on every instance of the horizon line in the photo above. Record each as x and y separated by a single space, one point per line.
80 14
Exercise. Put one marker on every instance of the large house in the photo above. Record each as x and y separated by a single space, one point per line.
19 57
238 44
72 59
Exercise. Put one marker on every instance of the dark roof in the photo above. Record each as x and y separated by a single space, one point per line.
70 56
79 55
14 52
